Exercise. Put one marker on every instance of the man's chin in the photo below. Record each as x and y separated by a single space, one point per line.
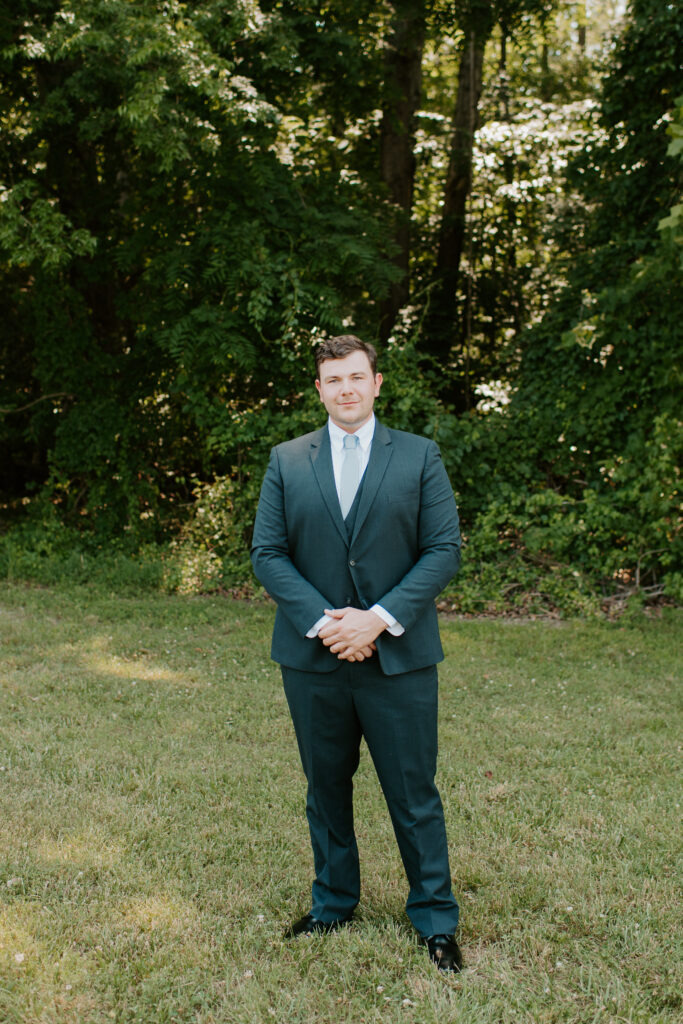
350 420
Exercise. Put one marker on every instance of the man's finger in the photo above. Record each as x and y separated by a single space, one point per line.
333 638
336 613
338 637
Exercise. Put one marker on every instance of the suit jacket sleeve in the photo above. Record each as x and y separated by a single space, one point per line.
438 541
299 600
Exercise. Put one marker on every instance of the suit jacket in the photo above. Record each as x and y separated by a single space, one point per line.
403 550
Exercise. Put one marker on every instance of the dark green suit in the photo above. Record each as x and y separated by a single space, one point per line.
399 547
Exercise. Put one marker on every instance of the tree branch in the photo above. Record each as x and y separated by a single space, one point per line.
43 398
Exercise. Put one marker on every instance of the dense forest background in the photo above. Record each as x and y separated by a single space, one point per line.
192 194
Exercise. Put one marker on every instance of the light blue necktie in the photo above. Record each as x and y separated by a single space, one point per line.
350 473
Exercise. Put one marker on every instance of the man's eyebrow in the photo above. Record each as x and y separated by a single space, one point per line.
336 375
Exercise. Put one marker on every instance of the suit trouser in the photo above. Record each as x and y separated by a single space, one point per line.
397 715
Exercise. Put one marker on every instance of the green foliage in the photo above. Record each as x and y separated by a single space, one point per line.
48 553
212 551
589 446
163 256
671 227
33 231
546 550
190 195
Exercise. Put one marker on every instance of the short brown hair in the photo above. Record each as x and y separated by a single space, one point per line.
342 346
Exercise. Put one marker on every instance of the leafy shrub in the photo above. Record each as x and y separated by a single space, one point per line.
212 551
42 549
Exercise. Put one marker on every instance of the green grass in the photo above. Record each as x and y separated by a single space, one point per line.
153 843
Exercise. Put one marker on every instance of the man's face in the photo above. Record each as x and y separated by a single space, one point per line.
348 390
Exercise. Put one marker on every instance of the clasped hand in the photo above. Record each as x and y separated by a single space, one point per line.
352 633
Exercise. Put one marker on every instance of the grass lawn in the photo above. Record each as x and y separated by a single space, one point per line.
153 843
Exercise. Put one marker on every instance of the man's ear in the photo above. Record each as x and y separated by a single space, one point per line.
378 383
317 387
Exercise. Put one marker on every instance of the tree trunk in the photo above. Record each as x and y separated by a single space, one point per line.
547 80
504 84
582 20
441 333
402 89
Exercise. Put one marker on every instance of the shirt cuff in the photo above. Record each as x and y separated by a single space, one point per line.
315 629
393 627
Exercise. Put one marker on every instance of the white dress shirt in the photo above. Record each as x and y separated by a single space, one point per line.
365 435
337 435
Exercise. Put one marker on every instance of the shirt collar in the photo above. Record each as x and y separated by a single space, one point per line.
364 434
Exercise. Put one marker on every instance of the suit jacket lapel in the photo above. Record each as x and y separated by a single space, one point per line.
380 454
321 458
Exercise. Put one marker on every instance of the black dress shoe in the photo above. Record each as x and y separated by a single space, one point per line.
445 952
309 925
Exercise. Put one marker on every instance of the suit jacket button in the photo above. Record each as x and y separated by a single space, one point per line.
352 562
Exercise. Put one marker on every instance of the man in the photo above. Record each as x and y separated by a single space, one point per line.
355 535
